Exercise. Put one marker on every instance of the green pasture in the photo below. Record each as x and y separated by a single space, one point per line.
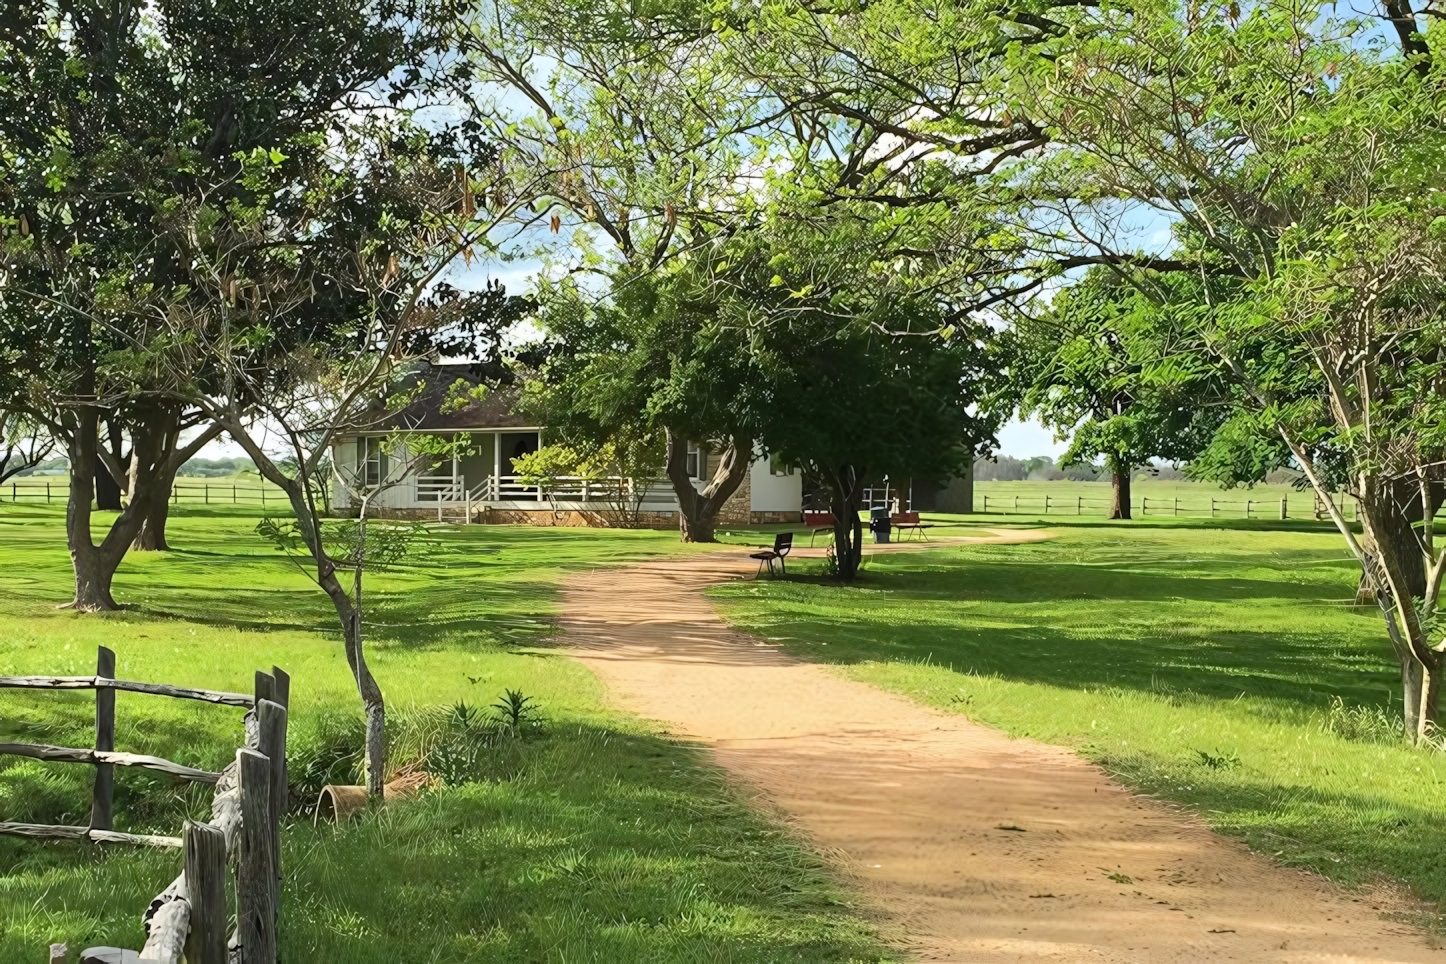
1149 498
1220 666
587 838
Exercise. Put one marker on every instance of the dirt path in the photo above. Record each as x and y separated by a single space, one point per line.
978 847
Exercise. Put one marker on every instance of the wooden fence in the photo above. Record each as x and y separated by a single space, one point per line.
1281 508
261 494
189 916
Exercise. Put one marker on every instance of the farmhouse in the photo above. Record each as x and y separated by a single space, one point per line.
479 482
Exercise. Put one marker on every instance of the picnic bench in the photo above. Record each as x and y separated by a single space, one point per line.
782 546
817 522
909 522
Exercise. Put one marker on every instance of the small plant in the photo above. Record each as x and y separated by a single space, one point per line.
1362 724
514 711
1117 877
830 562
1223 761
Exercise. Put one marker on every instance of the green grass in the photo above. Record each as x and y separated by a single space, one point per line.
1198 663
594 839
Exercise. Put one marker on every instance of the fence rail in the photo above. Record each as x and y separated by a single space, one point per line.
190 493
189 917
1307 506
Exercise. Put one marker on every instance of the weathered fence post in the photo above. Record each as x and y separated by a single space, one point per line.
1177 505
1282 507
1212 508
272 719
100 806
255 875
1046 504
986 504
265 687
206 892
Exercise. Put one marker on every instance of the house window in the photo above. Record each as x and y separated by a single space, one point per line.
697 461
371 461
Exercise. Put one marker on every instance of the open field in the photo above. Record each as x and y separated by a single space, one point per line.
594 839
1198 663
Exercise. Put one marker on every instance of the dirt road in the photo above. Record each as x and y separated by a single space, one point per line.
973 846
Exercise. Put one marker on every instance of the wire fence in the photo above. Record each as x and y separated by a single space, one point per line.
1303 506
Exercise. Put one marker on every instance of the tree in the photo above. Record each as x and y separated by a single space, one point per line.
645 374
23 444
108 108
1102 367
1303 164
642 130
310 302
862 373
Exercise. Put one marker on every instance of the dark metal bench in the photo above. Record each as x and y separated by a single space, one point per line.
782 546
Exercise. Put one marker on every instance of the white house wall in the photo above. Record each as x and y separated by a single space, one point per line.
774 493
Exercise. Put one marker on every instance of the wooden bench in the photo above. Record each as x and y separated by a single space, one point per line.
782 546
909 522
817 522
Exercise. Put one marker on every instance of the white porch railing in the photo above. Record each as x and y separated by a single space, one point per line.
570 489
440 488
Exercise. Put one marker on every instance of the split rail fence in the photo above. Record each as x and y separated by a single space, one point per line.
189 916
57 491
1049 504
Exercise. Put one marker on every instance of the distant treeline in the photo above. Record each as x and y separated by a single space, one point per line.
194 469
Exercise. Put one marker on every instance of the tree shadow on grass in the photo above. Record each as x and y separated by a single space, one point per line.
1085 626
607 845
1352 835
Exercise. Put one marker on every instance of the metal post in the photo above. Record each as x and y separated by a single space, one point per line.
101 799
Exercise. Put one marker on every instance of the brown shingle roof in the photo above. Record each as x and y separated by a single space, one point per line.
425 412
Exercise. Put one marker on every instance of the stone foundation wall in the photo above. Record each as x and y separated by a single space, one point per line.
736 511
580 519
571 518
774 518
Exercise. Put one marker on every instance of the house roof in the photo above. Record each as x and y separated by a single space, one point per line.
425 413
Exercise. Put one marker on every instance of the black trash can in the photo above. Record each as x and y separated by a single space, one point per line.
879 524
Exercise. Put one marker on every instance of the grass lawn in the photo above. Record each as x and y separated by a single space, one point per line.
593 839
1197 662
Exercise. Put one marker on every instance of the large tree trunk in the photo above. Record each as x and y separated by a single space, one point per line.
698 509
1120 484
94 565
107 486
1397 568
845 490
155 444
1404 496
